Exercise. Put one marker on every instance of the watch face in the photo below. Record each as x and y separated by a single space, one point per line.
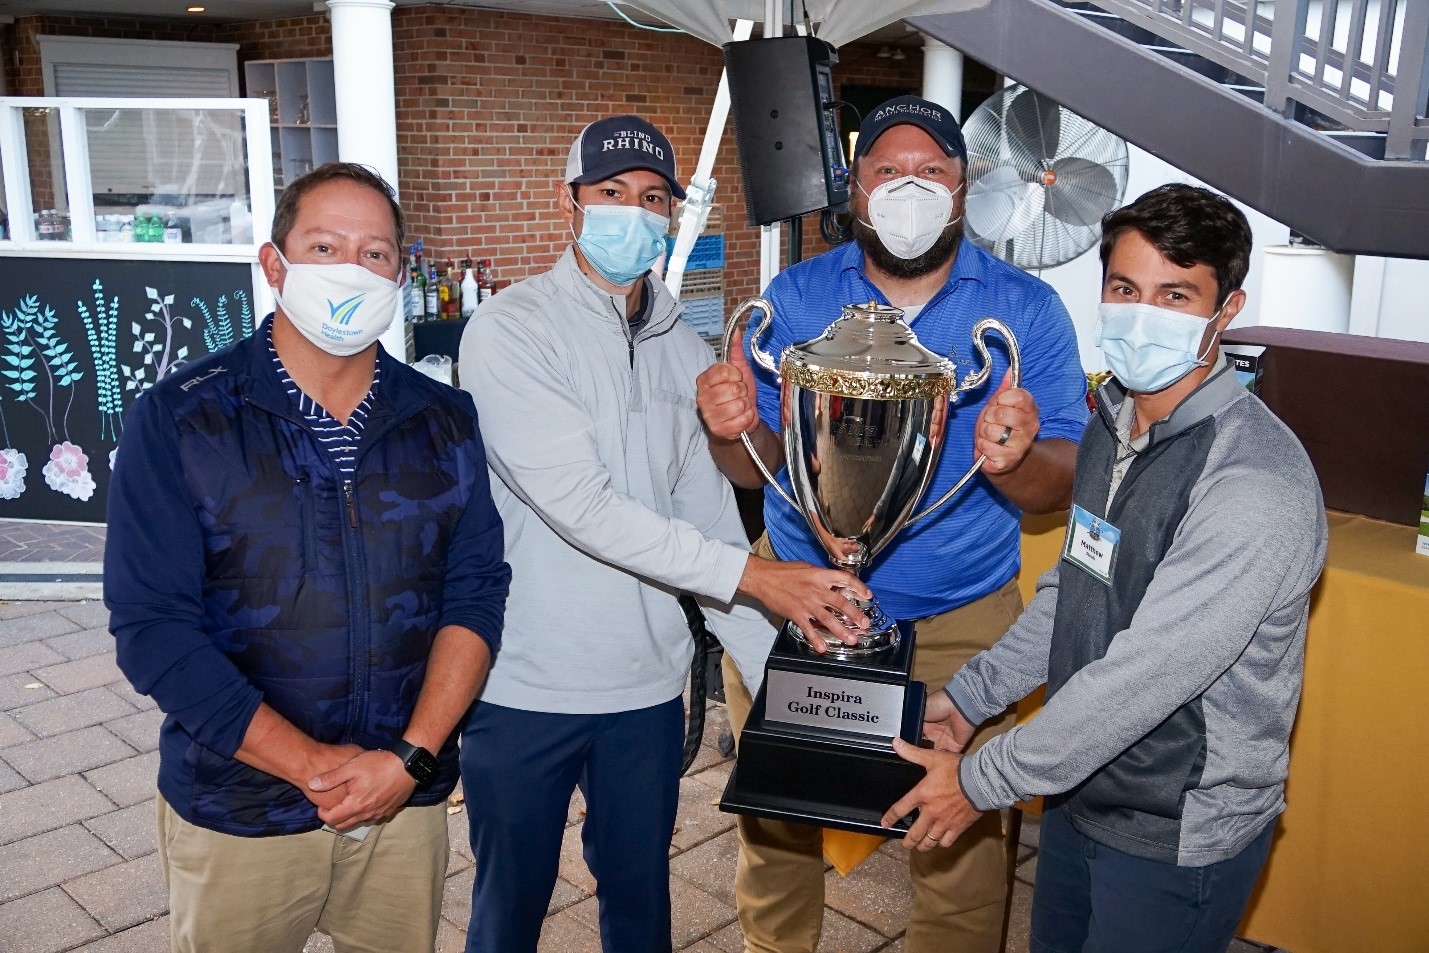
422 766
420 763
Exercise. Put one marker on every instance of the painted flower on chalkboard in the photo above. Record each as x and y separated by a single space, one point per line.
68 471
12 473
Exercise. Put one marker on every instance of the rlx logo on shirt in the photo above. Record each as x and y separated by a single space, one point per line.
343 311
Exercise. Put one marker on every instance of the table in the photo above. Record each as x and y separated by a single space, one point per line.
438 337
1346 871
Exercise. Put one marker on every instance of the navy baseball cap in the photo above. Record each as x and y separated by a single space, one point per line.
916 111
608 147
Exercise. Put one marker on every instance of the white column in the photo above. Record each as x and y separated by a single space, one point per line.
367 102
1306 287
943 76
1367 295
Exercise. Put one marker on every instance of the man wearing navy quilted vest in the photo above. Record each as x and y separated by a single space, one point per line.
304 570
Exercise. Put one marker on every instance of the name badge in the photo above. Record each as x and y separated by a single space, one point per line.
1091 543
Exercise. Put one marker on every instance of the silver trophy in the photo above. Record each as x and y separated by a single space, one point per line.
864 411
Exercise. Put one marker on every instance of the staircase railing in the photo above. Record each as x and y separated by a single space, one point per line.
1357 65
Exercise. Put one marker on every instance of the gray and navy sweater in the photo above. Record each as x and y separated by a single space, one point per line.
1170 692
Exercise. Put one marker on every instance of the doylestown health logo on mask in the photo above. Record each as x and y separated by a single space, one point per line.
342 312
340 315
359 304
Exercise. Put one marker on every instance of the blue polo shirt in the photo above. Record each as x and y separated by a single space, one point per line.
971 546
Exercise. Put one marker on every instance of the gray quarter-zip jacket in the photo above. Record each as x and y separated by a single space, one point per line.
1170 692
611 501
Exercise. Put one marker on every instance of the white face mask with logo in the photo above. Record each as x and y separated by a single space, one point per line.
910 214
340 308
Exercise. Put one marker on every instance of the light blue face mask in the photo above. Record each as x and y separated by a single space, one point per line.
1150 348
622 242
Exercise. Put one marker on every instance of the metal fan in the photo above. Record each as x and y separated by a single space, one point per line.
1040 178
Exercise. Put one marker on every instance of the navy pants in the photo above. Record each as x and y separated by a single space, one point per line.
518 771
1090 898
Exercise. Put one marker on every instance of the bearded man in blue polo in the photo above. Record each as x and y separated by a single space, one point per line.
954 573
304 570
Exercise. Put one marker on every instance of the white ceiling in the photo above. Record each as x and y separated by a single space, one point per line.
230 10
218 11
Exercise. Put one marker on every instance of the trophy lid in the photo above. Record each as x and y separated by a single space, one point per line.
869 352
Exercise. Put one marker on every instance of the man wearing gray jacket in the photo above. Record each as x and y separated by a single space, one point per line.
612 505
1171 633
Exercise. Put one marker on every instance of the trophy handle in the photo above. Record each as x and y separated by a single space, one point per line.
763 359
976 379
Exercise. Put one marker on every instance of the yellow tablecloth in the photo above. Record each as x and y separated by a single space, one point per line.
1347 871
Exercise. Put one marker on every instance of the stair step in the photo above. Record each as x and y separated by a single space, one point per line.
1199 64
1368 143
1253 93
1124 28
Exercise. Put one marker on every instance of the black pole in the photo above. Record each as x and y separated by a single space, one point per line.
796 240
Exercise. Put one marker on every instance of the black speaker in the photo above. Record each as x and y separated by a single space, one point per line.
791 158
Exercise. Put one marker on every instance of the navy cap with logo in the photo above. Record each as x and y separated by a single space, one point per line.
608 147
916 111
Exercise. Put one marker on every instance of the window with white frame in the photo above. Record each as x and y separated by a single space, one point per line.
145 156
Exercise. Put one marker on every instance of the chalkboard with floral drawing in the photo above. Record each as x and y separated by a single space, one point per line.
80 340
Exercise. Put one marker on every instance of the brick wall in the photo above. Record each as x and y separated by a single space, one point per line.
259 40
22 62
295 38
487 105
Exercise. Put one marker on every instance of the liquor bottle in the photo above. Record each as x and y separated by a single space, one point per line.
444 291
470 292
412 293
485 279
432 306
451 310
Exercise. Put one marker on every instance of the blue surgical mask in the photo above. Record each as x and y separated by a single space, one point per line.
1150 348
622 242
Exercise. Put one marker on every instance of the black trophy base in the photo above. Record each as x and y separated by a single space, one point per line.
826 776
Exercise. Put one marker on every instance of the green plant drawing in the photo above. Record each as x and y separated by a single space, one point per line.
218 325
30 330
102 331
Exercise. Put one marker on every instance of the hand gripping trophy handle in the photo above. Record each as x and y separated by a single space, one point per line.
763 359
976 379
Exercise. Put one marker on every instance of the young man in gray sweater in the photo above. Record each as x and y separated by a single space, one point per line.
584 377
1171 633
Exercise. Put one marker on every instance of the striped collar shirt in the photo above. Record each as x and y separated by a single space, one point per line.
338 440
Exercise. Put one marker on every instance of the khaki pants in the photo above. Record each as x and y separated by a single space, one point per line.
232 894
959 893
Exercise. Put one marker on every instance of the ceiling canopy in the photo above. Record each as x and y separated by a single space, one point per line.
835 21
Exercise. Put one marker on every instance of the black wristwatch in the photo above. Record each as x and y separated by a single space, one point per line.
420 763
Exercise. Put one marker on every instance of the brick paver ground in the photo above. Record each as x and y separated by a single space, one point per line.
79 871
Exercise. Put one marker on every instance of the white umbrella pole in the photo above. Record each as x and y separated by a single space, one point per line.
699 195
769 235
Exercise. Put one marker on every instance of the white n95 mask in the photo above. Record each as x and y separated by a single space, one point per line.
340 308
909 214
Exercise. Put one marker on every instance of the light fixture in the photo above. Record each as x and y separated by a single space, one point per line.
197 9
899 55
884 52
